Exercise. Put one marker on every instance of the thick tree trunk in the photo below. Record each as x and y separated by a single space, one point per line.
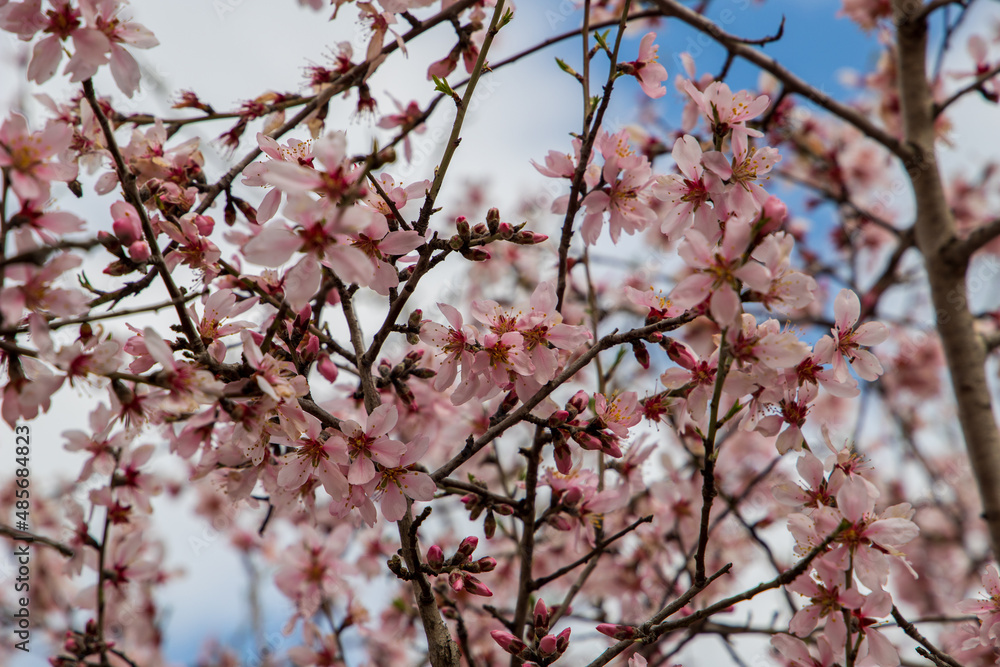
946 269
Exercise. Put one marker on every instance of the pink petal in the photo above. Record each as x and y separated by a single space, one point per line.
273 246
419 486
381 420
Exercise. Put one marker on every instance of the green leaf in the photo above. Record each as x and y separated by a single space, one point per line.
441 85
564 66
602 39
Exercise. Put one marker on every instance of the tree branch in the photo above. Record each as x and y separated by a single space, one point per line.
908 628
935 233
24 536
792 82
977 84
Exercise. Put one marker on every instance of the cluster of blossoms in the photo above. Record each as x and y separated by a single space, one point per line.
520 351
323 454
544 648
94 28
839 503
354 240
356 464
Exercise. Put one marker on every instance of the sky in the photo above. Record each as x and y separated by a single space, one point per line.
232 50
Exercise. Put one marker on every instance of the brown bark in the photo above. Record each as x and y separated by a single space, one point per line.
946 269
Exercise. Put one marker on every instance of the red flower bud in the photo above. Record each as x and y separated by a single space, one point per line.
616 631
508 642
466 548
435 557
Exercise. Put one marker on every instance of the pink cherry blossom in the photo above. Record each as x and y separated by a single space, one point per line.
397 483
35 291
380 245
333 181
454 342
687 194
987 610
719 272
844 345
728 112
25 156
625 198
404 120
294 151
646 69
316 454
369 445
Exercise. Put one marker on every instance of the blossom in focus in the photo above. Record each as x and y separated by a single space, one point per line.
728 112
687 194
844 343
650 73
398 483
294 151
369 445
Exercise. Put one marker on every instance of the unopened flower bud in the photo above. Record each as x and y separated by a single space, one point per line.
309 347
558 417
204 223
560 522
456 581
773 215
509 401
508 642
681 355
541 619
617 631
248 211
480 229
476 587
303 316
503 510
109 241
139 251
547 645
327 368
127 229
466 548
413 322
486 564
493 220
578 403
464 230
587 441
435 557
641 354
505 230
562 641
564 458
529 238
456 242
489 525
477 255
